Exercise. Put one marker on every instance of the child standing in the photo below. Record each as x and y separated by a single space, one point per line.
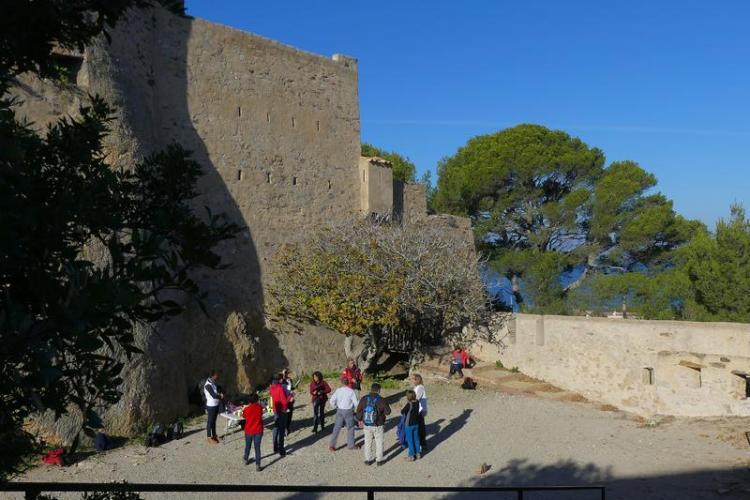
459 359
253 415
411 425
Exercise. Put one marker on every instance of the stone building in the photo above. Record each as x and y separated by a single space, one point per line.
277 131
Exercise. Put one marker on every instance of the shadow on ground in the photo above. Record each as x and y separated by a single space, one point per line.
722 484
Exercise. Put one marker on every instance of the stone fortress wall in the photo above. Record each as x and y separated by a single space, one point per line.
649 368
277 131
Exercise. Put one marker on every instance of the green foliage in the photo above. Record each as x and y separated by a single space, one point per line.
334 285
88 254
403 169
543 203
716 267
363 278
499 364
707 279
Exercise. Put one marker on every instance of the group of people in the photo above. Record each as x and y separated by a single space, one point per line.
368 413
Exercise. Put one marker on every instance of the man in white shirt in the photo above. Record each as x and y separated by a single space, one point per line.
344 401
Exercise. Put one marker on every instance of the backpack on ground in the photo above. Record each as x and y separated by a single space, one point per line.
54 457
102 442
156 437
175 431
469 384
370 413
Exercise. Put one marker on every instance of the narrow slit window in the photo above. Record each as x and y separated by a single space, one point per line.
239 111
239 175
268 178
741 385
294 122
329 185
268 117
294 181
648 376
317 125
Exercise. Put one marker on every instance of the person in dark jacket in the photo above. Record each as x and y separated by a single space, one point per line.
411 425
371 412
319 391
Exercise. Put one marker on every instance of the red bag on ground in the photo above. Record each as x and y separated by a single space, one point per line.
54 457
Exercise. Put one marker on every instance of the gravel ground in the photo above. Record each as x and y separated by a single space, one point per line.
524 440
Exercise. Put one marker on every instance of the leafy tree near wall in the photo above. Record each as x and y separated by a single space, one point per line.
87 253
367 278
403 169
543 203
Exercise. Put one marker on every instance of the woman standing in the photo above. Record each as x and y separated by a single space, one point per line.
288 384
319 390
421 394
411 425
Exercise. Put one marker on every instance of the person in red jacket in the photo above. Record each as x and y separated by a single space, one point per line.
319 390
253 415
281 398
459 359
352 374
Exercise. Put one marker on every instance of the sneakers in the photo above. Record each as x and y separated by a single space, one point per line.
258 468
419 455
331 448
247 462
212 441
369 462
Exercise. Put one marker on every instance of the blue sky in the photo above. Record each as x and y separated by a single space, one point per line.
665 83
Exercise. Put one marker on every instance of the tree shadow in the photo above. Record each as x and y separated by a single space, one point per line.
725 484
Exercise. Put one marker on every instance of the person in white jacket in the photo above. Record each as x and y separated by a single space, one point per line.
421 393
344 401
213 399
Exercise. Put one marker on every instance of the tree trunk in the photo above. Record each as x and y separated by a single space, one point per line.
348 341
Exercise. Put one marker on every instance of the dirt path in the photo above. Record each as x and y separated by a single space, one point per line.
525 440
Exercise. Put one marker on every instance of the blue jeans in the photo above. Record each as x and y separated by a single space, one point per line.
412 440
279 430
254 440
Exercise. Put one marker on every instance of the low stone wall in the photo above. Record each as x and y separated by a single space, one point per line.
646 367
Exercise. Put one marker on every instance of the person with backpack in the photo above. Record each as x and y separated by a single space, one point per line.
213 398
280 398
352 374
411 425
253 415
344 401
319 391
288 383
371 412
459 359
421 393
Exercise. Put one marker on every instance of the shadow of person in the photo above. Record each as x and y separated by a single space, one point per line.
454 425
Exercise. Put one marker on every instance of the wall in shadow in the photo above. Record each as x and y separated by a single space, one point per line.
277 133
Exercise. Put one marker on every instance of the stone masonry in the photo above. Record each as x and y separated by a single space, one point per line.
277 131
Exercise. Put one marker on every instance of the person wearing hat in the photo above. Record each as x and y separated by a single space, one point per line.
371 412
